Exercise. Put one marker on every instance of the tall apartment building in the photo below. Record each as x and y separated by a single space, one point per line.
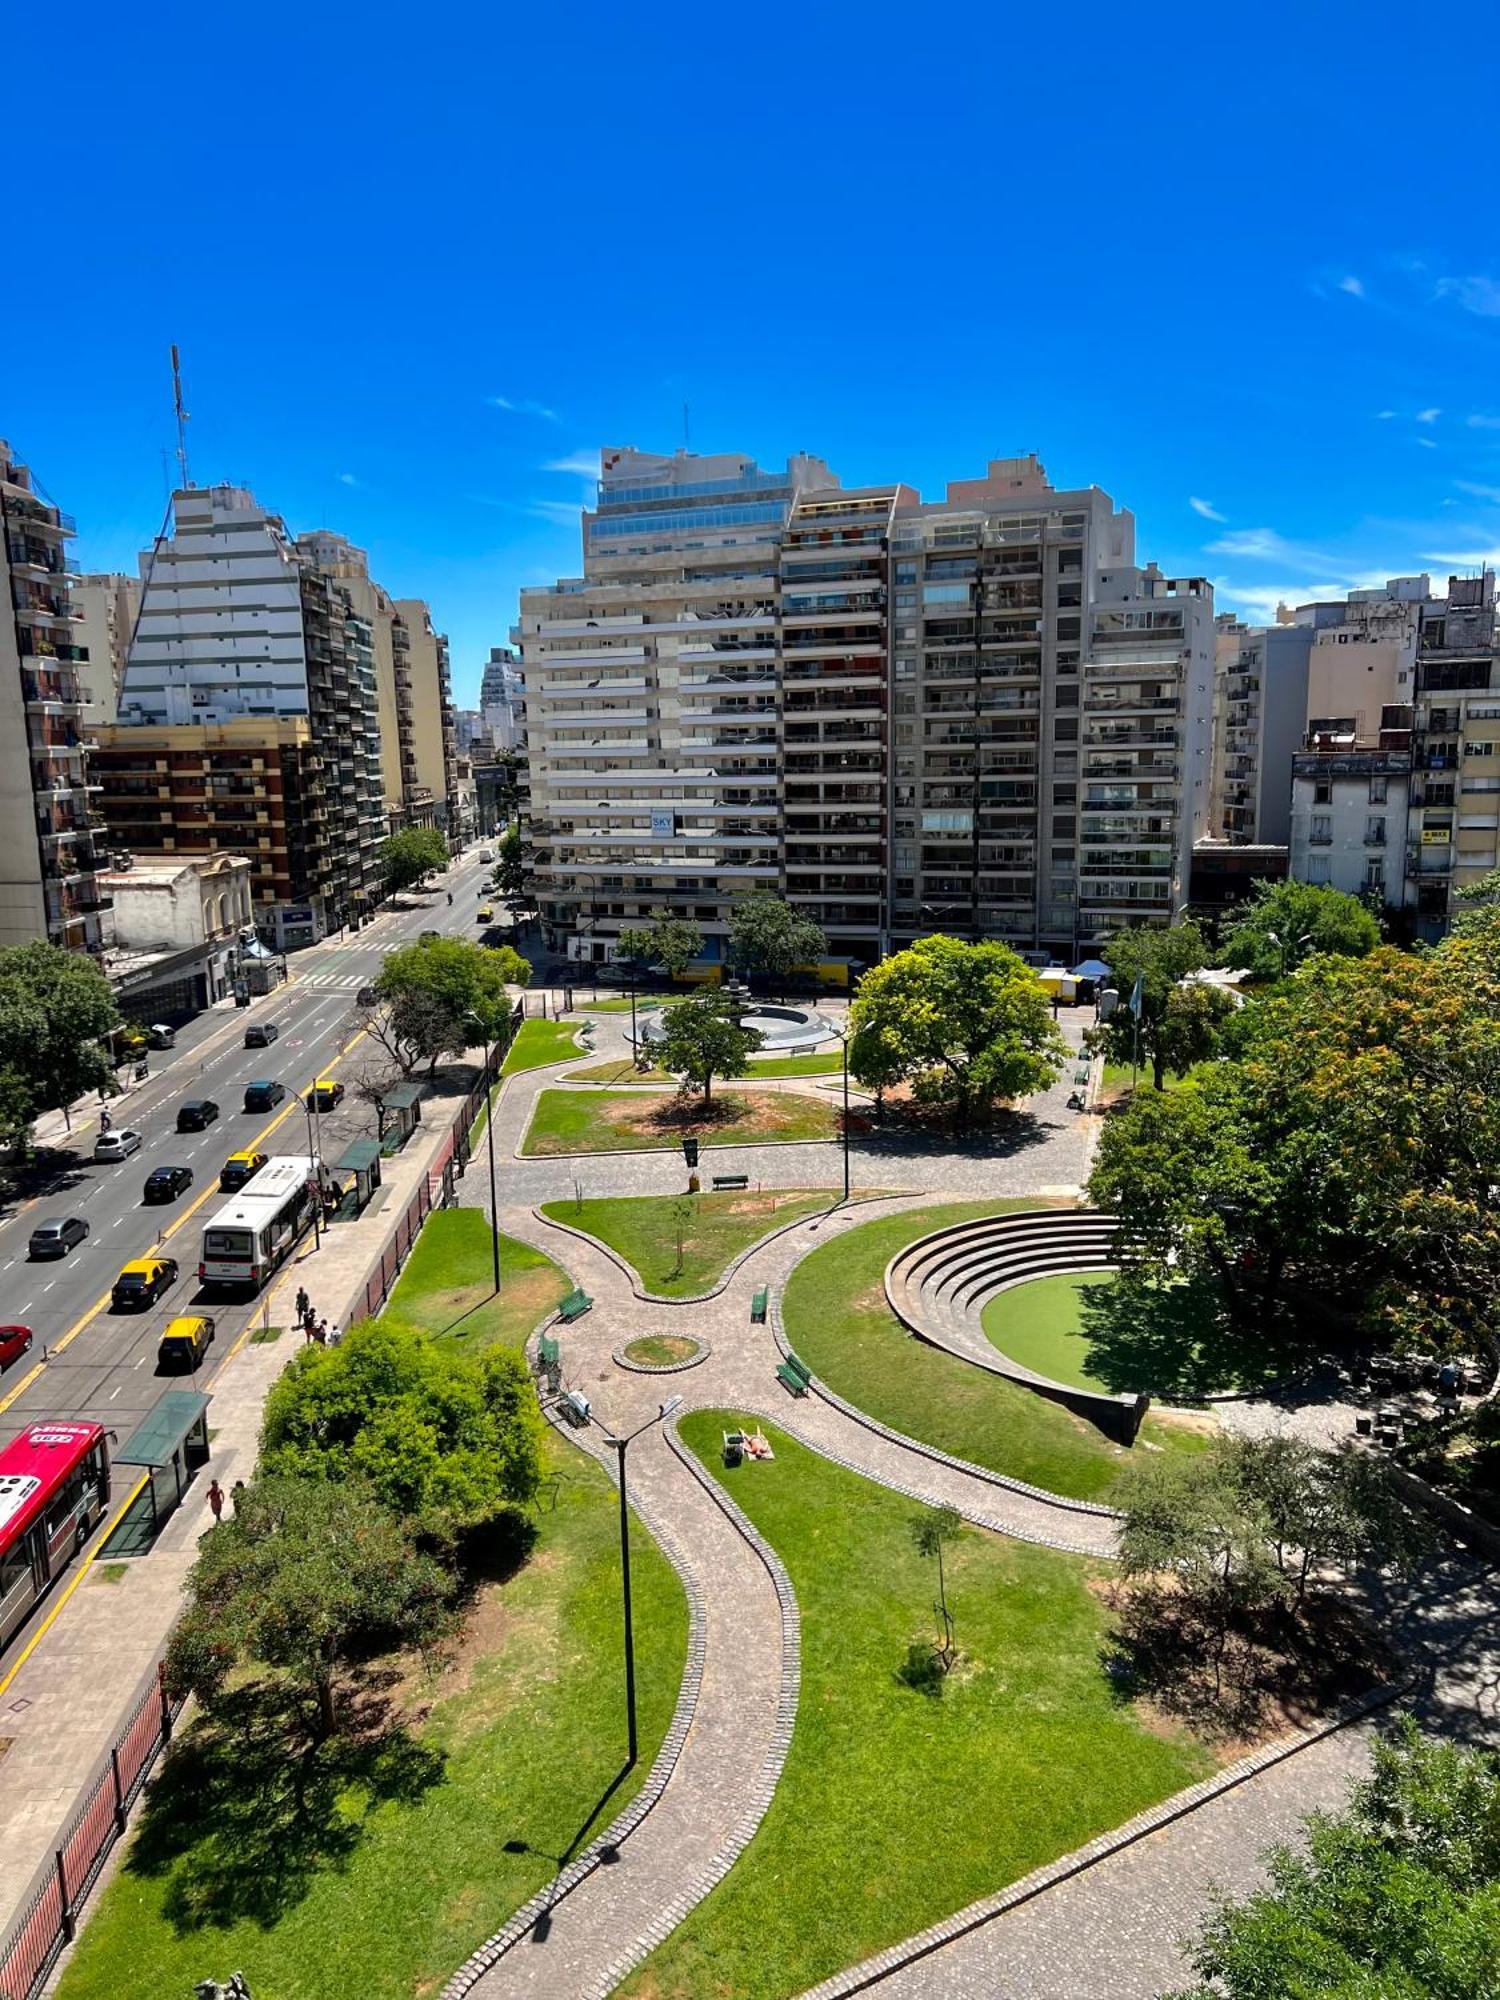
433 786
501 702
48 885
236 627
108 606
976 715
1260 716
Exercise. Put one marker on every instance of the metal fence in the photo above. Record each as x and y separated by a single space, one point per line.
47 1919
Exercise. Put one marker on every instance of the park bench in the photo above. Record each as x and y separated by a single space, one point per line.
795 1374
731 1181
574 1306
758 1306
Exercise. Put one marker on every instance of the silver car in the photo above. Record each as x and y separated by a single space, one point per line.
117 1145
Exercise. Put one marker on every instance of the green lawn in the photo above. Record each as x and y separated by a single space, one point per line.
813 1065
538 1043
617 1121
1117 1077
655 1350
446 1287
1040 1324
619 1071
839 1323
716 1228
606 1006
897 1807
366 1873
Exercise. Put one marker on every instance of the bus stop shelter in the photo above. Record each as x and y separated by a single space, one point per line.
362 1160
169 1444
401 1114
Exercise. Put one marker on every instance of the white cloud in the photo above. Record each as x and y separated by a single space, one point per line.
1479 422
1491 493
1426 443
348 479
1384 416
1429 416
1204 507
1460 559
1265 545
561 513
584 463
1476 294
1353 286
522 406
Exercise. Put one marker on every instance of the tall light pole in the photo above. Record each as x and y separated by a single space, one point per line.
663 1412
315 1150
489 1141
844 1046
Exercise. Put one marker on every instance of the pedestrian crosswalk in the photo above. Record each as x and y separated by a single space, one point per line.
343 982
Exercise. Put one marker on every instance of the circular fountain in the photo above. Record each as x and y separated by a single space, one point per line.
779 1027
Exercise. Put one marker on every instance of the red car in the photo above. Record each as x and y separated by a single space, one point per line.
14 1342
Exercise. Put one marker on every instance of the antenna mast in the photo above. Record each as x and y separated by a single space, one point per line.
182 417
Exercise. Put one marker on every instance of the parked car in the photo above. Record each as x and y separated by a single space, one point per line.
142 1282
166 1183
117 1145
14 1342
261 1035
264 1094
486 853
239 1168
185 1342
367 996
197 1114
160 1036
426 935
57 1236
324 1095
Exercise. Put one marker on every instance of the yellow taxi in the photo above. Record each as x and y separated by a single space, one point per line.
142 1282
485 916
185 1342
239 1168
324 1095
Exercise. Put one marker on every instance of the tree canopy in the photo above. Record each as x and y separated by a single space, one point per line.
769 937
699 1038
668 941
435 1435
1286 923
965 1024
1397 1895
410 856
439 997
510 870
306 1577
1178 1025
56 1008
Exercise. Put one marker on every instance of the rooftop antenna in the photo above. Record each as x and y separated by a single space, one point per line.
687 435
182 417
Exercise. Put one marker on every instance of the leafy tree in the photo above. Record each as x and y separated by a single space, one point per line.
1286 923
670 942
436 998
410 856
1178 1025
437 1436
770 937
1398 1895
931 1532
699 1038
307 1577
514 970
967 1024
56 1009
510 872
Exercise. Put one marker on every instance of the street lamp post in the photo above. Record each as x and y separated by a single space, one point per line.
664 1411
489 1141
844 1046
316 1150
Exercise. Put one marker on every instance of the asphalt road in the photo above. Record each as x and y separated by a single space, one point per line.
102 1364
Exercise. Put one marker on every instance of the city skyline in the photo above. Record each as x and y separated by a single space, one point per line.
1275 343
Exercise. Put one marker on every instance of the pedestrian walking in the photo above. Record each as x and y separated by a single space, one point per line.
322 1333
216 1499
234 1495
304 1303
105 1121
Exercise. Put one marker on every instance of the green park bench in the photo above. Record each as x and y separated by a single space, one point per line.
731 1180
795 1374
758 1306
574 1306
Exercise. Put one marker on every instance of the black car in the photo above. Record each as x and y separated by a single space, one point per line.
264 1095
166 1183
57 1236
262 1035
197 1114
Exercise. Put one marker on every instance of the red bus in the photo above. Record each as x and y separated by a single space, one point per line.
54 1485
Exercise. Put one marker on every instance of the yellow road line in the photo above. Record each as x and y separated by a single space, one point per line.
24 1383
84 1566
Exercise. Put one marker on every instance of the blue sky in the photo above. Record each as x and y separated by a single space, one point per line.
1237 266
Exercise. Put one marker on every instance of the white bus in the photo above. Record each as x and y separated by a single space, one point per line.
257 1229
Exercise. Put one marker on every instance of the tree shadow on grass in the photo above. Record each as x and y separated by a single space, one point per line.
1174 1341
249 1810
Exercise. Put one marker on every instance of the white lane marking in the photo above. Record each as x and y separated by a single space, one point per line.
22 1307
116 1390
140 1363
117 1221
7 1264
48 1287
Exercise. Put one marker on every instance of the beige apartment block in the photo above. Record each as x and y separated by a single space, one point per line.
109 606
431 793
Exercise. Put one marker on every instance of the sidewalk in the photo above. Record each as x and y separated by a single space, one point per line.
63 1705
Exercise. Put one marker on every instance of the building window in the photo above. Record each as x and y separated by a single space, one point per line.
1319 870
1322 791
1375 873
1377 791
1375 832
1321 833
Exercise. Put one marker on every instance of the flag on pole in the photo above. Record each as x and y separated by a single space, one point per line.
1138 995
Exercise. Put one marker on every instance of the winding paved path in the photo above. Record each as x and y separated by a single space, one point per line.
1115 1925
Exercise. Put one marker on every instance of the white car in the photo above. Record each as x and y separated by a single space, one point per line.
486 853
117 1145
